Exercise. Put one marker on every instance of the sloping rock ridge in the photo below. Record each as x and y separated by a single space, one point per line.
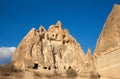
107 52
110 35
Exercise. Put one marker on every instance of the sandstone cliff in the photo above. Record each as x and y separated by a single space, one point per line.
110 35
52 49
56 50
90 61
107 52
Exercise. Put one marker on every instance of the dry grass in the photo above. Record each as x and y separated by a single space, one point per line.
71 73
8 70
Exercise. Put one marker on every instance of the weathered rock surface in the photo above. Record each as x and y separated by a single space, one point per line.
110 35
90 62
56 50
107 52
52 49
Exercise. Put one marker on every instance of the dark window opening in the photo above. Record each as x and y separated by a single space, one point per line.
99 76
44 67
53 35
55 67
69 67
20 47
60 56
49 68
67 41
42 29
47 37
63 36
35 66
63 41
38 31
56 35
64 67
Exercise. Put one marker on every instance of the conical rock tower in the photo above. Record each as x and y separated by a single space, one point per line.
52 49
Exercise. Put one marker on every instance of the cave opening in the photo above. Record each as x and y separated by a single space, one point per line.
35 66
44 67
49 68
69 67
64 67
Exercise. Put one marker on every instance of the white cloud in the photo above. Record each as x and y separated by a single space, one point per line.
6 52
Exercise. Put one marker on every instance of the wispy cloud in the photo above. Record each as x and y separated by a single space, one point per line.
6 53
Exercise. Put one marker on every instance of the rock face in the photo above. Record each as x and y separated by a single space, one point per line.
55 49
52 49
90 62
110 35
107 52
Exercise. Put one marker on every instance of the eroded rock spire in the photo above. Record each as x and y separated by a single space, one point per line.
52 49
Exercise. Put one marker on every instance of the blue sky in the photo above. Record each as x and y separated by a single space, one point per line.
83 18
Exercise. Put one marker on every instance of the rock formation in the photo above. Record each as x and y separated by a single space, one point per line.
90 62
107 52
110 35
52 49
56 50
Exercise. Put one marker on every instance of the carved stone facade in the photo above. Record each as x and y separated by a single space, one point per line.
52 49
55 49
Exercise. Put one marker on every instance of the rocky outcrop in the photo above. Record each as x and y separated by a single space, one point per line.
90 62
110 35
52 49
107 52
55 49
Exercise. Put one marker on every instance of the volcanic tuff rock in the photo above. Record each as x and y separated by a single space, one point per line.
52 49
55 49
90 61
110 35
107 52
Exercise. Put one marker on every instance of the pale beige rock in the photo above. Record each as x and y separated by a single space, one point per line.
37 56
48 54
59 24
23 51
107 50
52 49
110 35
90 62
109 65
55 49
72 58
